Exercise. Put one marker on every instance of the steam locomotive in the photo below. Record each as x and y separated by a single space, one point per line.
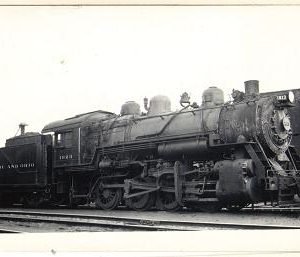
208 157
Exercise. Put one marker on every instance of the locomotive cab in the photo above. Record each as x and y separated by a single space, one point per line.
69 149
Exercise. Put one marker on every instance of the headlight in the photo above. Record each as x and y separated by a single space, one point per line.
291 96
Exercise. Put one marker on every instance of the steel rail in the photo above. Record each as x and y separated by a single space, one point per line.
286 210
132 223
3 230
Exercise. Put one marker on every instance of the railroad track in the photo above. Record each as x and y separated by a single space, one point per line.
128 223
3 230
272 209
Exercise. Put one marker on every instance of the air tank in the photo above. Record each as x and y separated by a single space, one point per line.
212 96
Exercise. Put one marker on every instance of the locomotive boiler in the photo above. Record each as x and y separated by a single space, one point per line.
203 157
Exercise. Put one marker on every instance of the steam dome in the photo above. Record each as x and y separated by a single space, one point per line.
159 104
212 96
130 108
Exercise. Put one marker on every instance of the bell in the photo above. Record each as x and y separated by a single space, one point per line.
184 99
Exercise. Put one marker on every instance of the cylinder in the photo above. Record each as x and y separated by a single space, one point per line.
251 88
237 183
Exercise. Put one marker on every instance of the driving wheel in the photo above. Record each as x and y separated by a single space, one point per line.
108 198
142 202
167 201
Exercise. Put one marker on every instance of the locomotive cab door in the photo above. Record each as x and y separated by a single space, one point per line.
67 147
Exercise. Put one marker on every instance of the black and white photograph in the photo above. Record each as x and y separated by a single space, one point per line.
150 127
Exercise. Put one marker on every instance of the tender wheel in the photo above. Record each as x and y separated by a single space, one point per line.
73 203
60 200
141 203
108 198
33 201
6 201
166 201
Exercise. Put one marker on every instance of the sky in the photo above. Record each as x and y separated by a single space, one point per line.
57 62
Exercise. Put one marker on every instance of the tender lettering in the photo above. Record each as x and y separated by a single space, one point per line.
14 166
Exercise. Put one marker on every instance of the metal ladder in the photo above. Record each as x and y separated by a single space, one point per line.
260 159
264 168
294 157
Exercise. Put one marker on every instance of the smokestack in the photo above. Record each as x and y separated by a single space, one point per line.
251 88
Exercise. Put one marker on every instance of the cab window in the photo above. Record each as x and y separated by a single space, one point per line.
64 139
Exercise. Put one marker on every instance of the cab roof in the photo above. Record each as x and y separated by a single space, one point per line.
76 121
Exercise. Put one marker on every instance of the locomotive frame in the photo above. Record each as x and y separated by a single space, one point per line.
224 155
